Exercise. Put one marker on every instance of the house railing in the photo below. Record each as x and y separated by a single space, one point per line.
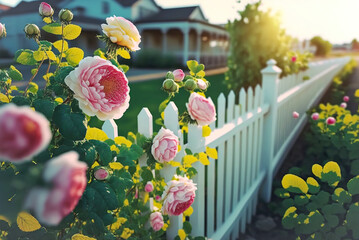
252 138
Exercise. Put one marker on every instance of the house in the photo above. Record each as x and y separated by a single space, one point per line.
4 8
182 32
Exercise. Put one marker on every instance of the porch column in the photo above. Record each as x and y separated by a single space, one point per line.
164 40
198 46
185 46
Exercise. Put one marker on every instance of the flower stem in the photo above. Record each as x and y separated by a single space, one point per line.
62 46
33 76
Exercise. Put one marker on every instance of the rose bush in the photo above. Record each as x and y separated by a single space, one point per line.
58 165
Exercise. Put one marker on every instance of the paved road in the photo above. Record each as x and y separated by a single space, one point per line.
352 87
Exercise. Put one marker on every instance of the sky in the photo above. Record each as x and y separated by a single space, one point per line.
334 20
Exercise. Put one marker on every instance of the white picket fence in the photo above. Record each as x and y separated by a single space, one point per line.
251 138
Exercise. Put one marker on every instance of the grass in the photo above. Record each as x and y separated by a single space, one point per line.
149 94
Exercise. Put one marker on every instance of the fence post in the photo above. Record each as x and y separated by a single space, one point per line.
110 128
196 143
270 81
171 123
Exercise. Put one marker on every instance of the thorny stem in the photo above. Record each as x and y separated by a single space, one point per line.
33 76
62 46
48 67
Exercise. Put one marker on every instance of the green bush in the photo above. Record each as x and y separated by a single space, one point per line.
323 47
155 59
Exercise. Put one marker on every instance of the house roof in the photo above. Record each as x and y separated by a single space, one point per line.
171 15
4 7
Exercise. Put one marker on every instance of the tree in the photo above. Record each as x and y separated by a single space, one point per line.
323 47
254 39
355 44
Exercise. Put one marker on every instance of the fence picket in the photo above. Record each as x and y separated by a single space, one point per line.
250 152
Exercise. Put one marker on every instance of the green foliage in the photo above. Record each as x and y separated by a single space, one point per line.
323 47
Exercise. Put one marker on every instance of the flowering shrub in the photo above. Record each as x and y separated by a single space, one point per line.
61 177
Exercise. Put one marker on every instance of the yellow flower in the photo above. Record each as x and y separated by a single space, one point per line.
122 32
127 233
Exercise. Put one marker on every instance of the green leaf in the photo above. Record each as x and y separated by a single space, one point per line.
46 45
72 31
58 45
21 101
280 192
352 219
33 88
100 53
3 75
25 57
353 185
106 193
62 74
301 200
15 74
45 107
74 56
341 196
54 28
192 65
313 185
4 98
146 174
354 167
187 227
295 184
125 68
104 152
331 173
163 104
71 125
87 152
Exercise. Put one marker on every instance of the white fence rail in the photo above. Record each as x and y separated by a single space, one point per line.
251 138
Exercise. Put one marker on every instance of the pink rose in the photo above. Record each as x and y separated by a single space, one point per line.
295 115
343 105
23 133
100 87
330 121
101 173
179 75
2 30
294 59
68 178
45 10
149 186
346 98
122 32
315 116
156 221
178 196
158 198
201 109
201 84
164 146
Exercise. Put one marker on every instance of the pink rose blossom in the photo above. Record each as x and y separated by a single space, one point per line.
136 193
178 196
294 58
295 115
45 10
23 133
164 146
100 87
101 174
179 75
315 116
149 186
156 221
158 198
343 105
201 109
68 178
346 98
330 121
201 84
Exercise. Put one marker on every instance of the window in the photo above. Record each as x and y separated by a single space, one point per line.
105 8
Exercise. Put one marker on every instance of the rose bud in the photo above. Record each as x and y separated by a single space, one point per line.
170 75
149 186
156 221
66 15
330 121
2 30
45 10
101 173
158 198
201 84
190 85
178 196
201 109
346 98
295 115
294 58
178 75
343 105
32 31
170 86
165 146
315 116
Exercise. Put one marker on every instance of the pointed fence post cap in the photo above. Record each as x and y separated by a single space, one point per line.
271 68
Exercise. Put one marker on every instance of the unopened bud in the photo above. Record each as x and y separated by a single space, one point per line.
201 84
170 75
190 85
32 31
2 30
66 15
178 75
315 116
330 121
101 173
149 186
45 10
170 86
